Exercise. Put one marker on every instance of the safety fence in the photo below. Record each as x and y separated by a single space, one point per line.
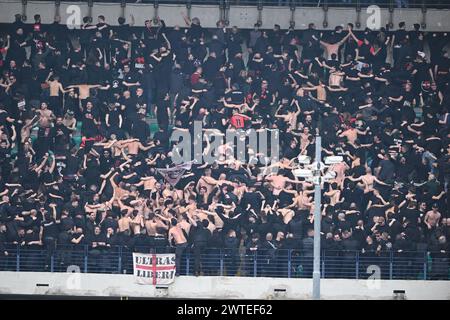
284 263
245 14
291 3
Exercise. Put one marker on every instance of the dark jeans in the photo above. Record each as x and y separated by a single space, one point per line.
50 245
96 261
231 258
307 262
199 247
180 248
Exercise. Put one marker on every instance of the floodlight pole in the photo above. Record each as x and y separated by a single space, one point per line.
317 220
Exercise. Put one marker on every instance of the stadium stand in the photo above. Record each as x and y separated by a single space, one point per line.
86 155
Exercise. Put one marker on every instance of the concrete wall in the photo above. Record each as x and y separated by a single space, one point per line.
215 287
242 16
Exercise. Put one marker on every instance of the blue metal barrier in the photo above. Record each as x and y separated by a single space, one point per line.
281 263
439 4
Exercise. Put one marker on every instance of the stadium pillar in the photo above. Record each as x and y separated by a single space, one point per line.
317 220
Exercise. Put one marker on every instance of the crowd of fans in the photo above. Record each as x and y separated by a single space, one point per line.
79 165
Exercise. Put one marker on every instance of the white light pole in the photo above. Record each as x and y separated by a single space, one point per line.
317 219
315 175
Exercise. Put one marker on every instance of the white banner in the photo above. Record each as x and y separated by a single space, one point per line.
154 268
174 174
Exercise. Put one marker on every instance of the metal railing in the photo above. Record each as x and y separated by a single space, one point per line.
281 263
292 3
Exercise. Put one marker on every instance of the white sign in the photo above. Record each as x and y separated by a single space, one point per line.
154 268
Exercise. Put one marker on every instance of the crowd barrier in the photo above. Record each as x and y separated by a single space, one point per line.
283 263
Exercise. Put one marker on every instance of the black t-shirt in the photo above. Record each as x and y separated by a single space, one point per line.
236 96
400 35
50 229
5 155
199 234
410 214
131 77
99 238
387 170
254 199
443 64
31 237
3 116
109 223
67 223
72 164
195 32
61 137
89 126
130 107
216 121
113 118
423 71
140 130
105 30
123 31
92 173
375 212
82 241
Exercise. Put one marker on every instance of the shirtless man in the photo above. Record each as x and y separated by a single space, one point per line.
304 138
334 194
190 208
284 163
118 191
339 169
320 91
211 226
302 200
137 222
240 189
84 89
432 217
367 181
46 116
56 88
140 204
171 207
70 122
200 214
278 182
287 214
133 146
154 225
148 183
218 222
183 222
333 48
25 131
124 222
225 151
291 117
352 134
207 181
188 191
336 79
178 238
124 227
116 146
